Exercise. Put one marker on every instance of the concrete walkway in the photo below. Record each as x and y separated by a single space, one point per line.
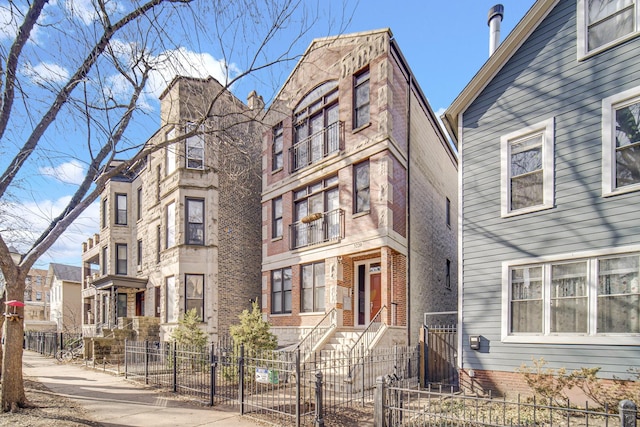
114 401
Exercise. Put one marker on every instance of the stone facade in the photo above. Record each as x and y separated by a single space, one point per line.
356 173
192 218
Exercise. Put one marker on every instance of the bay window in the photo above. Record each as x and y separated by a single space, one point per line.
195 221
121 209
194 148
121 258
194 294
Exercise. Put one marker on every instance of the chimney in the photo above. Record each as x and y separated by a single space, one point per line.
495 17
254 101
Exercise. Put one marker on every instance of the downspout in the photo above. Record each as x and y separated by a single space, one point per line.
408 186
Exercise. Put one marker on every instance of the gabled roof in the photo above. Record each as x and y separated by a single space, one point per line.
494 64
67 273
323 41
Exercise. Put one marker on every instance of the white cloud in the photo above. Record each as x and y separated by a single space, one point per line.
10 20
166 66
187 63
45 73
36 216
72 172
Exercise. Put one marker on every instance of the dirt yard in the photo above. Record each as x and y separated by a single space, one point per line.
50 410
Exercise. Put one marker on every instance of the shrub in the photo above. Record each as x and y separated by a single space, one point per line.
553 384
253 331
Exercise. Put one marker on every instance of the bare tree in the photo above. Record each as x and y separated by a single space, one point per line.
75 84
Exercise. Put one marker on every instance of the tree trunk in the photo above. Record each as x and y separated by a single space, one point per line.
2 301
12 394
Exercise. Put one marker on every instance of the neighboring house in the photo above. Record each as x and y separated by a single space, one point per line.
182 230
36 299
64 282
359 198
548 138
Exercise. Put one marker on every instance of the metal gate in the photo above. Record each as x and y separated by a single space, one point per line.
438 355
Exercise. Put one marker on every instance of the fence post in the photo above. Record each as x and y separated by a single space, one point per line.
241 378
628 412
378 403
126 341
362 355
146 361
212 373
175 366
298 381
319 422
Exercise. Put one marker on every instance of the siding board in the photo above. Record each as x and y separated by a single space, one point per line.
543 79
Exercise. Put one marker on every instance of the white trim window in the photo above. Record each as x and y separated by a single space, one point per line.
171 225
195 221
573 299
527 169
621 142
194 148
171 311
170 166
312 284
605 23
194 294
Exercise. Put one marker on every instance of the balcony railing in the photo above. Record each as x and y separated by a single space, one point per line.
317 146
317 228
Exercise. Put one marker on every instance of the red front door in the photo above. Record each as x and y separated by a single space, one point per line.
375 294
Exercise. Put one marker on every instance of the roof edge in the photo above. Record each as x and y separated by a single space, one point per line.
494 64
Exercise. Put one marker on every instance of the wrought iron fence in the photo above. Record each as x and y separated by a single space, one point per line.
286 387
49 343
397 404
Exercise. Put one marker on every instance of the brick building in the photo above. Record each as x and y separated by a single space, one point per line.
358 199
181 230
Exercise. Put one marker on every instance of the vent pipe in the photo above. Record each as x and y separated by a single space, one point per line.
495 18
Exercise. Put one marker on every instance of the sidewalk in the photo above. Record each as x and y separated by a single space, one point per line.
113 401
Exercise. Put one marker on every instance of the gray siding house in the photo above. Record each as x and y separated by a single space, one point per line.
549 144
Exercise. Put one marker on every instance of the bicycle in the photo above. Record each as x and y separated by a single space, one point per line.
69 354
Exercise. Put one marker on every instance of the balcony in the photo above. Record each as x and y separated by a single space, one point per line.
317 228
317 146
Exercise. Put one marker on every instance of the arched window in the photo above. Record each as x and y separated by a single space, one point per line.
317 129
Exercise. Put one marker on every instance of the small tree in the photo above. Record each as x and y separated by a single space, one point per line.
253 331
188 332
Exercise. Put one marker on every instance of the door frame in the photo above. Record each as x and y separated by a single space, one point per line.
367 289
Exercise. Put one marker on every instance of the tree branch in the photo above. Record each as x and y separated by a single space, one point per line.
63 95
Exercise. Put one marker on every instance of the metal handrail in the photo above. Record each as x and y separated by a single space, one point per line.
327 227
366 338
313 337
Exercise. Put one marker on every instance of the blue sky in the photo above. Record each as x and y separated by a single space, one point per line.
445 44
